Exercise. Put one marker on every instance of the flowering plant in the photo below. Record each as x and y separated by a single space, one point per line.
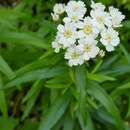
86 37
38 88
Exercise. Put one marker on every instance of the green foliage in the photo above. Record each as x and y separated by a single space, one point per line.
39 91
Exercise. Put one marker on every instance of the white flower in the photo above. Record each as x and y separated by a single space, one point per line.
59 8
79 35
101 19
89 48
67 34
110 39
57 45
97 6
55 17
73 17
87 28
77 7
116 16
74 56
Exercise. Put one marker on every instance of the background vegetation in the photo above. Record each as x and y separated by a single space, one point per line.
38 91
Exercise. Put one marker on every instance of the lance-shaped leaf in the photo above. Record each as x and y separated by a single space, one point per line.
99 94
55 112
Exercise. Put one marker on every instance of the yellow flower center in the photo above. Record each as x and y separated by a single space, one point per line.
109 38
74 18
67 33
87 29
75 55
100 20
87 48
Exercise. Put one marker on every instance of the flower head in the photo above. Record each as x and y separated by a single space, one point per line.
87 29
74 55
116 16
67 34
110 39
89 48
77 7
59 8
101 19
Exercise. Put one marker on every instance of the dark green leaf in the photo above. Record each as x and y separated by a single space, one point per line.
55 112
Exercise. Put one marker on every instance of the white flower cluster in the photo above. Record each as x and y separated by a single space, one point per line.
85 37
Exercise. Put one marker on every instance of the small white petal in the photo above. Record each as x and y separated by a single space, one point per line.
55 17
59 8
109 38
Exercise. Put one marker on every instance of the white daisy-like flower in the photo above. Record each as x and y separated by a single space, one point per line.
87 29
116 16
110 39
55 17
97 6
101 19
74 56
89 48
77 7
67 34
57 45
59 8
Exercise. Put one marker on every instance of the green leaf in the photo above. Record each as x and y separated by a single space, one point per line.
128 112
98 93
104 116
100 77
68 123
8 123
10 14
31 97
56 86
120 90
117 70
126 24
4 68
108 62
97 67
29 125
23 38
36 75
89 124
59 82
9 17
55 112
3 104
123 49
80 77
38 64
34 89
